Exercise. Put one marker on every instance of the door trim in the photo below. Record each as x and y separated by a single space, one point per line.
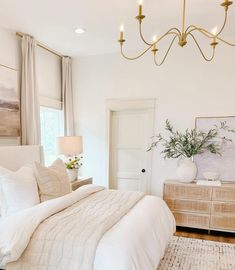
117 105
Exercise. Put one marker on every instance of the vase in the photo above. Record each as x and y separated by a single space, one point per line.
187 170
72 174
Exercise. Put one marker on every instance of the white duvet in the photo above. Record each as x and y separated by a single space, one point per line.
136 242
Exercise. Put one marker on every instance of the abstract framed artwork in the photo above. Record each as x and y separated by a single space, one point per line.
223 164
9 103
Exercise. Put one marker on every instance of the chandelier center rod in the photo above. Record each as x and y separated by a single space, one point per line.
184 12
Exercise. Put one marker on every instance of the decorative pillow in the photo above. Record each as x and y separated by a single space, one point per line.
18 191
53 181
3 171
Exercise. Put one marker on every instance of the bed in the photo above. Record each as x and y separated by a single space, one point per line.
91 228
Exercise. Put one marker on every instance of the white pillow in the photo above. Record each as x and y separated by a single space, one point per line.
3 171
19 191
52 181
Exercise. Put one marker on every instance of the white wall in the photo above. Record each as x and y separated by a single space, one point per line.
185 87
10 56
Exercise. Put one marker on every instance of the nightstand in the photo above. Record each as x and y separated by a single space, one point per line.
81 181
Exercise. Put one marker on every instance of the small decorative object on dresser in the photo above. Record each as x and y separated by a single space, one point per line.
71 147
203 207
211 176
186 145
81 181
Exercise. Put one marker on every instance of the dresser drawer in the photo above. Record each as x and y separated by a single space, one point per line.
223 208
224 194
192 220
187 192
201 207
222 223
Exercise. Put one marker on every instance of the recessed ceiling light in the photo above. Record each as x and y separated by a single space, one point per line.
80 30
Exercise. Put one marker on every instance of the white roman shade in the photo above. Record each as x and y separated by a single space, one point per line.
49 78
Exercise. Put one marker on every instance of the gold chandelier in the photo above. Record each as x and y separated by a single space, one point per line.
182 36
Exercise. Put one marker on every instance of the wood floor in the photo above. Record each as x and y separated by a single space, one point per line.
203 234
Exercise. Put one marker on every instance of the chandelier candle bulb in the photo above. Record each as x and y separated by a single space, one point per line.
140 8
154 38
214 40
214 31
121 33
154 47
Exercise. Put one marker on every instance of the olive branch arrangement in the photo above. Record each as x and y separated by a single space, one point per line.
191 142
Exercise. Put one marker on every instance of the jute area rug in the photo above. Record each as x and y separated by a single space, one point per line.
193 254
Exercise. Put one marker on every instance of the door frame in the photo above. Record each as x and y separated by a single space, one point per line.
117 105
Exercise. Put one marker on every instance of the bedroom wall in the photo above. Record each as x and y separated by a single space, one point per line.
9 56
184 88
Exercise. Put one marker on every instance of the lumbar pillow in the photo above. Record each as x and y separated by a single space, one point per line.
19 191
53 181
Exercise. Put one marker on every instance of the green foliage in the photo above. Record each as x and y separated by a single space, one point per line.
191 142
73 163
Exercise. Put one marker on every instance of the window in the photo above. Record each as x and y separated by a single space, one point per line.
51 128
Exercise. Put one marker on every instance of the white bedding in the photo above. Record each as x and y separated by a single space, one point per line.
137 241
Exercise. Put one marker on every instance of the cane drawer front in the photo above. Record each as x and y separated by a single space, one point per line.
223 223
224 194
185 191
192 220
194 206
223 209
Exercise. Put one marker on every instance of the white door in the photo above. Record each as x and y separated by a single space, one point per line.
130 162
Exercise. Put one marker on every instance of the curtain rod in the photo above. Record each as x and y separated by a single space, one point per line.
42 46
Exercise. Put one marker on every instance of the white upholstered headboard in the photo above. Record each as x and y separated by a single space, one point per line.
14 157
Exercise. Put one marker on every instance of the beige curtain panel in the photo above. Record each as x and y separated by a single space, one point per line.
67 95
30 110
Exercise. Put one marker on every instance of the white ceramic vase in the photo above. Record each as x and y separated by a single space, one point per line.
187 170
72 174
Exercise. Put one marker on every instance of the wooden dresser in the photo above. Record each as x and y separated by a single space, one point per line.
204 207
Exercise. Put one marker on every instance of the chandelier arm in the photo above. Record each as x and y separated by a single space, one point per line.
142 36
203 55
177 34
210 35
201 30
167 52
169 32
226 42
224 24
137 57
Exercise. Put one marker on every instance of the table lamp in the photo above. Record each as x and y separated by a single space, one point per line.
70 145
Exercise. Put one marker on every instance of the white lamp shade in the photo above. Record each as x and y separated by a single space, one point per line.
70 145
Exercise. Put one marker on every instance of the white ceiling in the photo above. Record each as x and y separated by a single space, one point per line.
52 22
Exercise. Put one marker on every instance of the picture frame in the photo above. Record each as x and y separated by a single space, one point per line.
223 164
9 103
